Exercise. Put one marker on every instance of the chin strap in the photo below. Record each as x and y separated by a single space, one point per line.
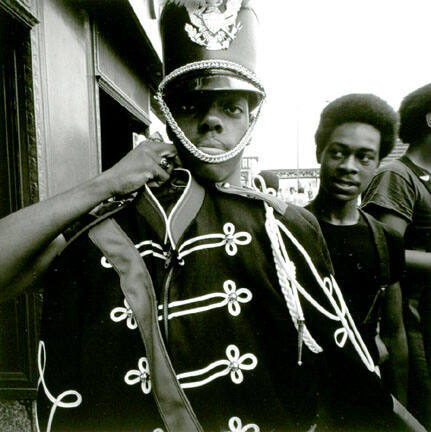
202 65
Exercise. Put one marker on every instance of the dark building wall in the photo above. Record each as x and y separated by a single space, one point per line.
72 58
67 111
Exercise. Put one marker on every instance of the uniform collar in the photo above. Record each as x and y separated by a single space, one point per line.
171 227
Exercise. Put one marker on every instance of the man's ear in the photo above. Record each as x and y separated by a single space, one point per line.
318 156
428 119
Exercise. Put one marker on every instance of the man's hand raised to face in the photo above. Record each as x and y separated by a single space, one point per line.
31 237
151 162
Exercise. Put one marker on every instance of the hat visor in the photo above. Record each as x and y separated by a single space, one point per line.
214 80
220 82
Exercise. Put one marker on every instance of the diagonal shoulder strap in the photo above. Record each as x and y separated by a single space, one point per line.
103 211
383 255
137 287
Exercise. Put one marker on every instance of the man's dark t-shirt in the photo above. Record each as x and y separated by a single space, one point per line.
397 189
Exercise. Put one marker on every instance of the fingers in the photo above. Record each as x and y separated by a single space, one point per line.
177 161
151 162
164 154
158 146
161 170
169 162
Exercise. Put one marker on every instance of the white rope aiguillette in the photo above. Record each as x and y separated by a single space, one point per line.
292 290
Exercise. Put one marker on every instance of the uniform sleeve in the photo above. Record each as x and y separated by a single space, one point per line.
391 191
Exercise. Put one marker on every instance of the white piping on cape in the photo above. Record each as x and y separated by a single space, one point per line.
167 219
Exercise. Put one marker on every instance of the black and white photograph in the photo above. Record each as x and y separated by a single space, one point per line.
215 216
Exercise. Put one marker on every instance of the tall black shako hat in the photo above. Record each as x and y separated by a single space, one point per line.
209 45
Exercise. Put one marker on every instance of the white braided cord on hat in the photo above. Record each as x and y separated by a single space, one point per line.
202 65
291 289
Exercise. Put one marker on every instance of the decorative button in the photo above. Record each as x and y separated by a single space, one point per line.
235 296
124 313
142 375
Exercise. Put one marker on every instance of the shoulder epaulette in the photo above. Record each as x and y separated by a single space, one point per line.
276 203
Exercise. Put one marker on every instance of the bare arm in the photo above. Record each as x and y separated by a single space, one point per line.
394 336
392 219
415 260
31 237
419 262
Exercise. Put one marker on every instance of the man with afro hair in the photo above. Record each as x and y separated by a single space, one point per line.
400 196
355 132
362 108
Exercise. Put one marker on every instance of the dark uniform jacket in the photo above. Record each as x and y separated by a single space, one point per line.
155 323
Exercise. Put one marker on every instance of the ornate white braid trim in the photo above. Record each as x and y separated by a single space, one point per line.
231 296
286 272
141 375
229 239
233 365
260 185
124 313
285 267
56 401
291 288
235 425
209 64
154 249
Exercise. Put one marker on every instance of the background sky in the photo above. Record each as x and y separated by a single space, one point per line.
312 51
